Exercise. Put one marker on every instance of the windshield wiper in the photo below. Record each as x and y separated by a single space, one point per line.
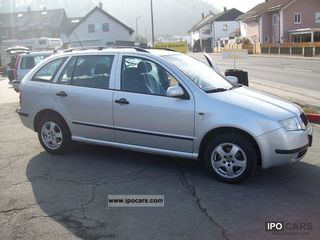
215 90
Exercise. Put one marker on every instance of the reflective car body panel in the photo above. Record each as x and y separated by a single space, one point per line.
161 124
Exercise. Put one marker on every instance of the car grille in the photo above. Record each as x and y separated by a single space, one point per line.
304 119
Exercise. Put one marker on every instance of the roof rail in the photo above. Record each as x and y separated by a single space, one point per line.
100 48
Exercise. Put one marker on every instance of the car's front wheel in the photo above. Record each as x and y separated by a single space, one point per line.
231 158
53 134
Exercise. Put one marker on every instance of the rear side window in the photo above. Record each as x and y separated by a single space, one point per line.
48 71
28 62
91 71
66 75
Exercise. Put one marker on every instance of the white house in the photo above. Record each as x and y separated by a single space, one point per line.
213 29
97 28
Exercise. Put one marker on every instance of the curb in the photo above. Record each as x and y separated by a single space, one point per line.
315 59
313 117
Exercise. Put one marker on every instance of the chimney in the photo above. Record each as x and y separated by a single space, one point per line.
224 9
202 14
100 4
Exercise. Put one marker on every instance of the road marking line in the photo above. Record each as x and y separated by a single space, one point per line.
298 69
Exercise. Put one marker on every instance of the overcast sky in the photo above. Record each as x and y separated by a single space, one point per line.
242 5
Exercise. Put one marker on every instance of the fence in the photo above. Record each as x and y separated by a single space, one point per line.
252 48
307 49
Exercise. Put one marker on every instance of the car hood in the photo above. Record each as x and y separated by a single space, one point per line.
260 102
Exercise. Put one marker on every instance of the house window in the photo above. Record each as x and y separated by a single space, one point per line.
297 18
4 33
32 31
91 28
317 17
274 19
297 38
225 27
267 39
105 27
206 31
46 29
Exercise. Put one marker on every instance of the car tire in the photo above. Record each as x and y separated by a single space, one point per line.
54 134
231 158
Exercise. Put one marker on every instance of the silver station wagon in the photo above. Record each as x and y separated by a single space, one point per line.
161 102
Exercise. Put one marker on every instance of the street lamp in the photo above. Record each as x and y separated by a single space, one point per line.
152 27
137 27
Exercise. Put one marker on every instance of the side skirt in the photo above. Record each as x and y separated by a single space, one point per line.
137 148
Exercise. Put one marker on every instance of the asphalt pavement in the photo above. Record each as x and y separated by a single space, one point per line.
65 197
296 79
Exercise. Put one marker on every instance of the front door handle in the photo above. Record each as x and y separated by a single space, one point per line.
62 94
122 101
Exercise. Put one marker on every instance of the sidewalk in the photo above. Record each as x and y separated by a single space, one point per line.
283 56
304 97
280 56
8 95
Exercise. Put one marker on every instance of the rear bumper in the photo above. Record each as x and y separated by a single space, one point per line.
281 147
25 118
16 85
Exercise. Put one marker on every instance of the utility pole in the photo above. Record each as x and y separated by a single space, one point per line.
137 27
152 27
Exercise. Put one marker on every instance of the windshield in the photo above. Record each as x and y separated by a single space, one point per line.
200 73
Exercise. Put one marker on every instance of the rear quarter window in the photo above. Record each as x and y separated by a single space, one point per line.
47 72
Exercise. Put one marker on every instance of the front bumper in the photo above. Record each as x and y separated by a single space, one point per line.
280 147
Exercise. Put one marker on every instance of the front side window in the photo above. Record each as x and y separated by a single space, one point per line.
198 72
91 28
92 71
144 76
48 71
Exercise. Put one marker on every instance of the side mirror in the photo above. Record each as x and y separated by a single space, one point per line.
175 92
232 79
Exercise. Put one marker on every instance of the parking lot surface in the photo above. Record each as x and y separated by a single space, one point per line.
65 197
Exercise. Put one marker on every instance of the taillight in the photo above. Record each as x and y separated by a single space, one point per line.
16 67
20 96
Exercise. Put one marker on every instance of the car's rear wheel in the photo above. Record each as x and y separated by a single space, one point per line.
53 134
231 158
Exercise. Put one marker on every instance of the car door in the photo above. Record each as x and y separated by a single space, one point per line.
144 115
83 94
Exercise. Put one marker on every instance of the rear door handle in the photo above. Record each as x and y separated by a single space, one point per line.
62 94
122 101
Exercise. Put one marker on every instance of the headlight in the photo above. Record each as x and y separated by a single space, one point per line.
291 124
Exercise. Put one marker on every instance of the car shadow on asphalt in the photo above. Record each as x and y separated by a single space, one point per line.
72 189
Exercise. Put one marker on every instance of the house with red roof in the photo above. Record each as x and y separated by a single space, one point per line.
279 21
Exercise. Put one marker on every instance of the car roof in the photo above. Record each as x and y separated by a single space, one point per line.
140 51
